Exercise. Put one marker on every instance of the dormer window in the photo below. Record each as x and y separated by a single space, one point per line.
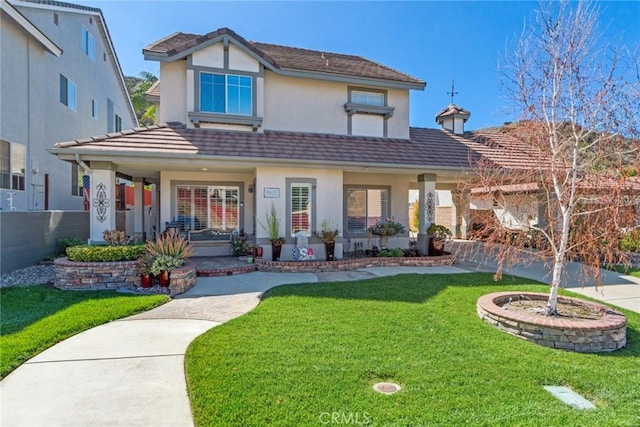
226 94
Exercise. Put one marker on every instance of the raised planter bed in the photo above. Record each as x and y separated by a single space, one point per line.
352 264
72 275
605 334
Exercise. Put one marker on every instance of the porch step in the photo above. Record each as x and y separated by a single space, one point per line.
230 271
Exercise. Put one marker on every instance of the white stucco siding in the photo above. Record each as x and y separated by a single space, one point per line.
328 194
210 56
367 125
239 60
304 105
32 113
398 125
311 105
190 91
168 179
173 91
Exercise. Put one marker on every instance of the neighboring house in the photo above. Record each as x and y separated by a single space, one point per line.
321 135
61 80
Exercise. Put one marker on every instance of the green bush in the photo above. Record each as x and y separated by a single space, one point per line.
87 253
630 242
66 242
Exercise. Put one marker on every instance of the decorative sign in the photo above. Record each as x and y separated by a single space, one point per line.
101 202
430 207
271 193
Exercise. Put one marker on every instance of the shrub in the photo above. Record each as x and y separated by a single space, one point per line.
119 238
397 252
630 242
87 253
67 242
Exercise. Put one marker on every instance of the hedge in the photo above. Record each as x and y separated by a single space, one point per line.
87 253
630 242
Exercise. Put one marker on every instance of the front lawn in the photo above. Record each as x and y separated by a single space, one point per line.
36 317
309 355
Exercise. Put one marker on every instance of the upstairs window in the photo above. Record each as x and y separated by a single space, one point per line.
367 98
68 92
226 94
56 19
12 165
88 44
94 109
118 123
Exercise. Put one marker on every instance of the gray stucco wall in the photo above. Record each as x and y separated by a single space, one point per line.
30 237
31 113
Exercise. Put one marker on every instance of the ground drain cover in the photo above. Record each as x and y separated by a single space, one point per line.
386 388
569 397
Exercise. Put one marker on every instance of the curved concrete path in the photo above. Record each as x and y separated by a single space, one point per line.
131 372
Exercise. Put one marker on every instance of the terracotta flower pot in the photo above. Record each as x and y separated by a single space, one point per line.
436 247
163 278
146 280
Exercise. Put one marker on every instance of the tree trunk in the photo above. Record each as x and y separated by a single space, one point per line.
558 268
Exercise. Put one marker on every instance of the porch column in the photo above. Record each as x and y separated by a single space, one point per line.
427 199
138 205
462 213
103 199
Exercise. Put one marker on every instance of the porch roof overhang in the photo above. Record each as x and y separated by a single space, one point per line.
148 150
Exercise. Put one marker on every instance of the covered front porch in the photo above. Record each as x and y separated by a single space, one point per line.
232 202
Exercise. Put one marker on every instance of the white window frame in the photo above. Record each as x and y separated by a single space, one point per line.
310 183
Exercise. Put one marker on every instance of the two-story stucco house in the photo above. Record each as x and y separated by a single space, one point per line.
319 135
61 80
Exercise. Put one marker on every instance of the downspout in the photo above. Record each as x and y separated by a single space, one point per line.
82 164
87 169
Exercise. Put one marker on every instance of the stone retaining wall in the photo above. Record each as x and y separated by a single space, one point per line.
352 264
182 279
95 275
582 335
72 275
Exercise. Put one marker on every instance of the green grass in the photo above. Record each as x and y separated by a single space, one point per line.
629 271
36 317
308 351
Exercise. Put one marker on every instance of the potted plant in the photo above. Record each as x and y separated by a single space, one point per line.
328 236
144 264
384 229
438 236
168 251
272 227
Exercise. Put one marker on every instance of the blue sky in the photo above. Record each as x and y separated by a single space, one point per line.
434 41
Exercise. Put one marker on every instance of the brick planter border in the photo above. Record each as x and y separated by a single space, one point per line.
73 275
606 334
352 264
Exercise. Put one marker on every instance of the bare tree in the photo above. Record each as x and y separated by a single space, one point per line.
577 146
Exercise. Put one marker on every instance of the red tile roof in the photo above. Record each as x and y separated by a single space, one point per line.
425 148
287 58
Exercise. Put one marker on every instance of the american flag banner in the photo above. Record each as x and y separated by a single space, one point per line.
86 188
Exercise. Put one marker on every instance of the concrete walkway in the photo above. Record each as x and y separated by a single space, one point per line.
131 372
